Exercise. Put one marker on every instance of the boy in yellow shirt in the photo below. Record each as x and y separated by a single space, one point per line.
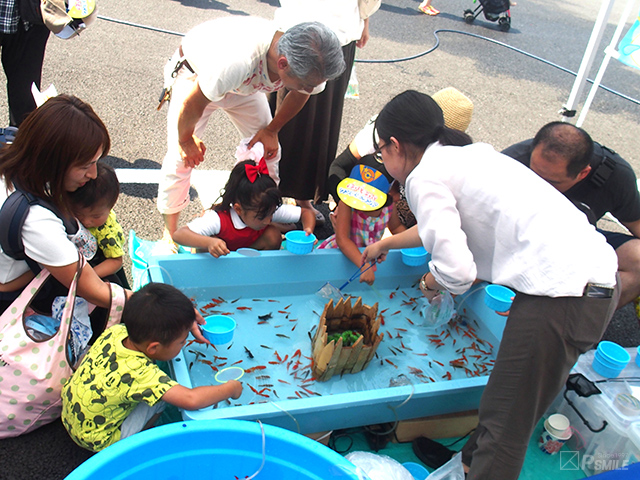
118 390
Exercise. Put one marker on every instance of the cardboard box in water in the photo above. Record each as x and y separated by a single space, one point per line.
439 426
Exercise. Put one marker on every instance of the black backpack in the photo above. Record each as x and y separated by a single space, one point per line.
12 216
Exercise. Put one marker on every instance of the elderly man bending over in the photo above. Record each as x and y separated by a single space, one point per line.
229 64
597 180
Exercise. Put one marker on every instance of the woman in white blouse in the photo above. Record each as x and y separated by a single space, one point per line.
483 216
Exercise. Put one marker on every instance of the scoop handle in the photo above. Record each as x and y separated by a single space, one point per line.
357 274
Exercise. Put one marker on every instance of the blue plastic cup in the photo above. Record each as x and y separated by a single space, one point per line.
498 298
299 242
218 329
610 359
414 257
417 471
613 353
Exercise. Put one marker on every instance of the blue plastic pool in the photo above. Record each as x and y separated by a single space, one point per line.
216 449
416 373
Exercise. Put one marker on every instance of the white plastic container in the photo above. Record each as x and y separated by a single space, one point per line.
619 443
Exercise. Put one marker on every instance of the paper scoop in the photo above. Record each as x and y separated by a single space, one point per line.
330 292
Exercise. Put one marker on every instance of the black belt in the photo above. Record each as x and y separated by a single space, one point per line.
597 291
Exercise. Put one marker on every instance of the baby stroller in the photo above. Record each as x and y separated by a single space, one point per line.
494 10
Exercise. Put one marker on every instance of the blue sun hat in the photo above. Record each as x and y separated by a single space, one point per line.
364 189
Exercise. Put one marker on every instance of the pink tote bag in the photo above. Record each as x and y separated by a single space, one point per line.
32 372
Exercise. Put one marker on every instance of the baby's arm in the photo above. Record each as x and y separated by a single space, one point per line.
111 240
214 245
108 267
200 397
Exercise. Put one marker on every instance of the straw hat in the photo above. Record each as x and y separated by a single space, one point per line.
456 108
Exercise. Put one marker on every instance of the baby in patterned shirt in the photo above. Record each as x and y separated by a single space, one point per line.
93 207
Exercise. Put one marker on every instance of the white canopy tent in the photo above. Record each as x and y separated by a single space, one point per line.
569 109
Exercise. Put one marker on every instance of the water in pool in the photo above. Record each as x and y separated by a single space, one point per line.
272 343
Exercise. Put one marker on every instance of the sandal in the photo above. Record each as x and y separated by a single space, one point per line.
429 10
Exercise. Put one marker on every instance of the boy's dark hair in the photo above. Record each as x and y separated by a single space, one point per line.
102 190
261 195
157 313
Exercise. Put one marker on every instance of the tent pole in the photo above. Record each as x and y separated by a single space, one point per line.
610 51
568 110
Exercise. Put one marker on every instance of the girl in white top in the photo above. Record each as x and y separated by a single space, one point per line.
484 217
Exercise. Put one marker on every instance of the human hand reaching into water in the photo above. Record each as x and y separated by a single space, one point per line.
368 276
375 252
235 389
195 328
217 247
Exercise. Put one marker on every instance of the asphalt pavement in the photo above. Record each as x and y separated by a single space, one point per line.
518 81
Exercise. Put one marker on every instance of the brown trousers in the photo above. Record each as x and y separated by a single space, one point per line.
541 342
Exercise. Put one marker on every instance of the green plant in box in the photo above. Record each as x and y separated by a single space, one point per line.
349 337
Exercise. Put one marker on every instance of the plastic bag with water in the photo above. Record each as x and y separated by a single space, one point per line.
379 467
439 311
452 470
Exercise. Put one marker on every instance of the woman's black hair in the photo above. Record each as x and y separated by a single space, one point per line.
414 118
261 196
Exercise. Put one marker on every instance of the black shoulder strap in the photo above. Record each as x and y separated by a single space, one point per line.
605 168
13 213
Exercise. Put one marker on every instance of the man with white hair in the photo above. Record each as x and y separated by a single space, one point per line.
229 64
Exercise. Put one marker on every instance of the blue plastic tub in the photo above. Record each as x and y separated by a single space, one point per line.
498 298
299 242
414 257
216 449
277 310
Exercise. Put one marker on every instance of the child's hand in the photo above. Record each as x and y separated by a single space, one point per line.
236 389
217 247
308 219
195 328
369 276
